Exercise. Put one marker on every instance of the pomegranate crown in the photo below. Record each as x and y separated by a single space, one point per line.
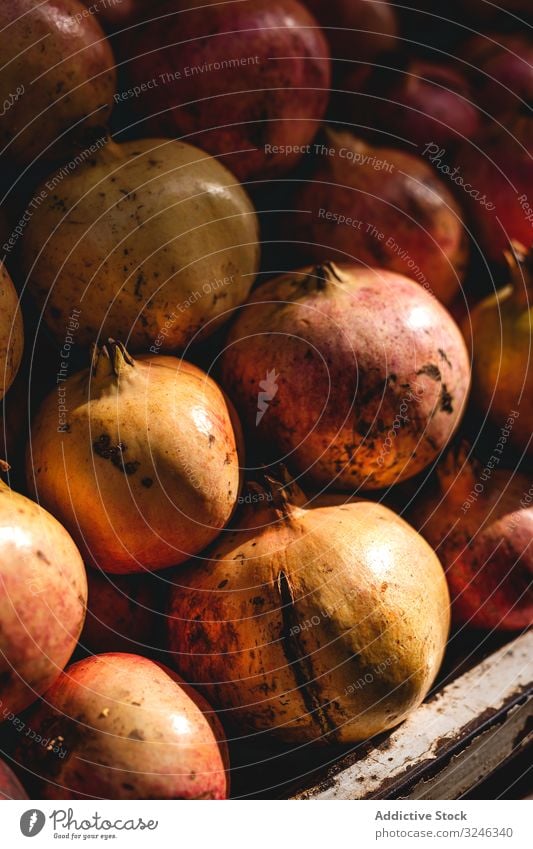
283 493
110 358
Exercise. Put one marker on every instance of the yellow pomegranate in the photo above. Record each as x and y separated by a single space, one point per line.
153 241
138 460
320 622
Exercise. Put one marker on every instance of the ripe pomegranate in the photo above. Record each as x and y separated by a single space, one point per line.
128 728
499 162
480 523
153 241
43 591
10 787
247 81
321 622
357 376
11 331
122 614
417 101
57 78
357 29
498 330
501 68
381 207
142 466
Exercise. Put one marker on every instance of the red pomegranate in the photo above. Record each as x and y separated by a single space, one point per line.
57 80
356 377
479 519
247 81
381 207
126 728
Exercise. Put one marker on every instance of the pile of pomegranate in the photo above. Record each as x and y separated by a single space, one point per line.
262 264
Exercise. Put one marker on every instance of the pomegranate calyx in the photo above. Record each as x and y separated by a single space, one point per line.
324 273
279 490
110 359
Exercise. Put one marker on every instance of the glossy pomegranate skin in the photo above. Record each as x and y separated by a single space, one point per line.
127 728
239 82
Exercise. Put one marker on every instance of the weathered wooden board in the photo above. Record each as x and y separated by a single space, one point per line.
453 741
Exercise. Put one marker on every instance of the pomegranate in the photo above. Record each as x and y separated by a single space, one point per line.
357 29
151 241
357 376
417 101
122 614
379 206
480 522
43 591
127 728
498 330
11 331
500 163
246 81
10 787
57 78
142 466
501 67
320 622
